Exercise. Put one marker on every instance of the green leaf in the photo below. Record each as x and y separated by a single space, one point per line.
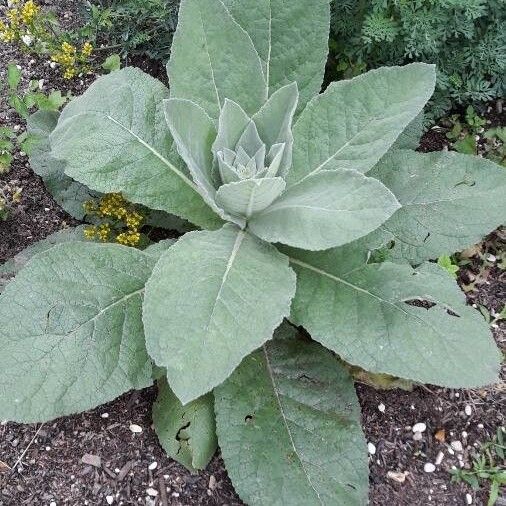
249 196
112 63
68 193
466 146
291 39
445 199
213 298
274 122
13 77
10 268
71 331
213 58
447 264
364 315
187 433
371 111
113 140
327 209
288 422
410 137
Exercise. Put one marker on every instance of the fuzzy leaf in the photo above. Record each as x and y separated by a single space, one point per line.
363 315
194 133
327 209
249 196
274 122
71 331
288 423
232 123
10 268
187 433
354 123
291 39
212 58
112 139
68 193
213 298
446 202
410 137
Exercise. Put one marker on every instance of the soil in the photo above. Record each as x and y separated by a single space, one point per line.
43 464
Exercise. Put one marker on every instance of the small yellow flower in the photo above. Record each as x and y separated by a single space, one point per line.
90 232
87 50
133 221
129 238
68 48
29 11
103 232
69 73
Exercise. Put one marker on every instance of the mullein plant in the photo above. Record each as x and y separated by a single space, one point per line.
313 211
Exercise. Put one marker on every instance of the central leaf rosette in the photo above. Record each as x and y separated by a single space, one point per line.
241 163
239 167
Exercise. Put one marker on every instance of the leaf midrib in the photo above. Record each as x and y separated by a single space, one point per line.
164 160
285 422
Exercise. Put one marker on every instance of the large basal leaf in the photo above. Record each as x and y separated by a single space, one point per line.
213 298
187 433
114 139
327 209
10 268
288 423
410 137
71 331
69 194
354 123
366 315
249 196
213 58
291 38
449 202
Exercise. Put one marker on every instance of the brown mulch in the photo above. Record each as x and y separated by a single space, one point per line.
43 465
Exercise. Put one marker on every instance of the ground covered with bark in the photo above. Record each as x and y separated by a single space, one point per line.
111 455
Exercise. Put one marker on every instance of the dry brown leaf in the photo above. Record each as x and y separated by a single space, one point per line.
4 467
440 435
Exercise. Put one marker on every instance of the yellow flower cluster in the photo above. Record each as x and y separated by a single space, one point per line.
29 11
121 213
20 20
129 238
100 232
71 59
27 24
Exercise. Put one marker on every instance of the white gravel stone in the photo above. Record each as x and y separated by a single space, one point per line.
109 499
469 499
429 467
419 427
468 410
381 408
153 466
417 436
371 448
136 429
396 476
439 458
457 446
152 492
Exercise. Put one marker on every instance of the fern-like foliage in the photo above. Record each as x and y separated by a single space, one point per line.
465 38
142 27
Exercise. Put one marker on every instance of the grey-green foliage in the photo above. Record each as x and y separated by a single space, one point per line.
296 191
